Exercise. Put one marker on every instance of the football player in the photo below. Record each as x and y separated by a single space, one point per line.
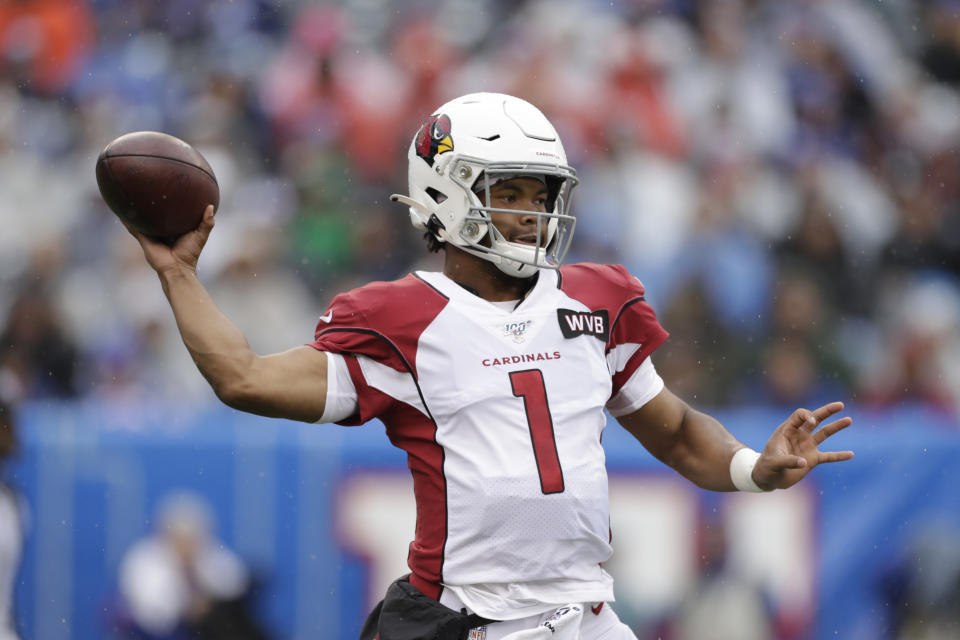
494 376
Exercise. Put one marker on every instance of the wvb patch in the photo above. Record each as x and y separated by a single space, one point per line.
579 323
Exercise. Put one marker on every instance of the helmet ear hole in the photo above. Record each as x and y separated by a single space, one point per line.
435 195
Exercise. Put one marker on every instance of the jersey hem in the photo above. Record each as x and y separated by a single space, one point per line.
548 596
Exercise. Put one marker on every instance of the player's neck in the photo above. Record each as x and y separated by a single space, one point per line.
483 278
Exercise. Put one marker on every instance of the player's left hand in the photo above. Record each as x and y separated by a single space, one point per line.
792 451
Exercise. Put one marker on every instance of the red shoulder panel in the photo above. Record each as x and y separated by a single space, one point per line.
632 321
599 286
381 320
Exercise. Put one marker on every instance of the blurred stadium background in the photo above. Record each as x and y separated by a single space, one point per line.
784 177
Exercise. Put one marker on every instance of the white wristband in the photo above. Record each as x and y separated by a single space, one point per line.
741 470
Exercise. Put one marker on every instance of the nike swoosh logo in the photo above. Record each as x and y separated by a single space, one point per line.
596 609
327 318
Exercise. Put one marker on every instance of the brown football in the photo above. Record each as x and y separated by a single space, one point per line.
156 183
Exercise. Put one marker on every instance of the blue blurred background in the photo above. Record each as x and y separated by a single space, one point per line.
783 176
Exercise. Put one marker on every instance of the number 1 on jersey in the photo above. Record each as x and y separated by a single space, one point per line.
529 386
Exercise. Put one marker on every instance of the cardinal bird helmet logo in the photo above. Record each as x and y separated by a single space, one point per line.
434 137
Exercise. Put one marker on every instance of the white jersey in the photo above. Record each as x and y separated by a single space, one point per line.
501 413
11 546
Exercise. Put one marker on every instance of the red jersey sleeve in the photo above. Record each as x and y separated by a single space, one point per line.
382 321
635 332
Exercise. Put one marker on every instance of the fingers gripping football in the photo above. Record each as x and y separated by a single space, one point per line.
185 251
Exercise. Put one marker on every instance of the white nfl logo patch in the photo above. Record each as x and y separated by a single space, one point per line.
480 633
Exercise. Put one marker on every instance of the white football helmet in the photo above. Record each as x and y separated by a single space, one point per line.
468 145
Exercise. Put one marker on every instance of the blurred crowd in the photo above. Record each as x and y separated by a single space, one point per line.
783 176
181 582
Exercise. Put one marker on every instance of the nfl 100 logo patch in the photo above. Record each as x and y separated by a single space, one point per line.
517 329
479 633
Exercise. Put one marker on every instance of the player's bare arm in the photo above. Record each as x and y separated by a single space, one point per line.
700 448
692 442
291 384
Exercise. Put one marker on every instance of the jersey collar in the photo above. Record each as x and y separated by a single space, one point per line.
546 284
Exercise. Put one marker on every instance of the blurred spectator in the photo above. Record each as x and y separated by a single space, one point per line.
733 95
723 604
37 357
800 363
701 363
941 54
927 236
918 357
181 582
922 586
11 525
43 42
814 245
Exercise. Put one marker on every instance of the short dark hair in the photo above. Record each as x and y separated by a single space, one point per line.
434 244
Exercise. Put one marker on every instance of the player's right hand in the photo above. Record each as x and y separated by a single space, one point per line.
184 253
